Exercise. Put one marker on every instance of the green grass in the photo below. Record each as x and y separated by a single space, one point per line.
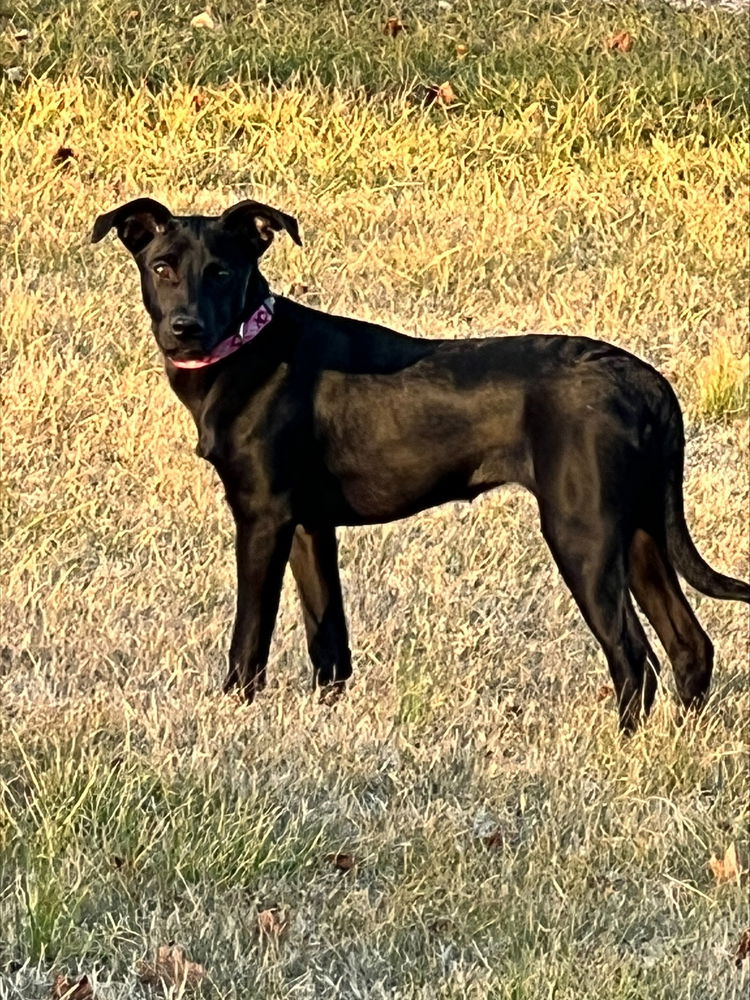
193 843
684 76
724 386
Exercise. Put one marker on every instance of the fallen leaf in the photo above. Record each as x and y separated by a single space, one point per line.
171 968
342 862
198 101
394 26
445 94
461 49
133 15
15 73
22 36
62 157
273 924
204 20
485 826
604 692
726 869
743 949
65 989
442 94
621 41
495 840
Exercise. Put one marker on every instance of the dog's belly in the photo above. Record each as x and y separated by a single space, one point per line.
368 500
394 446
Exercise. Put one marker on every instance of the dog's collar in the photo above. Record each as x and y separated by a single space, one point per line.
247 332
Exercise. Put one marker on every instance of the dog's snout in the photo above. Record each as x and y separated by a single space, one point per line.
186 326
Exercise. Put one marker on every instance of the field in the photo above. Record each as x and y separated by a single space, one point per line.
467 821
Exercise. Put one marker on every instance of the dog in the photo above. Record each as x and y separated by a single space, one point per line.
313 421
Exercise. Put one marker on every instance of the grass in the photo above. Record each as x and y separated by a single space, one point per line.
508 843
723 384
499 56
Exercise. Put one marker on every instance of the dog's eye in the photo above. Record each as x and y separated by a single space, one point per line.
162 269
221 275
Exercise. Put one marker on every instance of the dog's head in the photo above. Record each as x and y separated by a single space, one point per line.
199 274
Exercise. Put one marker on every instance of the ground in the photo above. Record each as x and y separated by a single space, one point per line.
467 822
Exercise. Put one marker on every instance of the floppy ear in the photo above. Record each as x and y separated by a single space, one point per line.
137 223
259 222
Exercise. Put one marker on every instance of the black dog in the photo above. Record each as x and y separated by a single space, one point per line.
314 421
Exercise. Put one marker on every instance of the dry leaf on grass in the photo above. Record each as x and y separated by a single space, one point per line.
198 101
494 841
604 692
442 95
66 989
394 26
170 968
204 20
487 829
461 49
342 862
725 869
273 924
62 157
743 949
445 94
621 41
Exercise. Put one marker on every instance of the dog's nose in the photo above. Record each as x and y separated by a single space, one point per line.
186 326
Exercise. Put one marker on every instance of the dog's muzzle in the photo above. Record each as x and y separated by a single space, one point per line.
248 331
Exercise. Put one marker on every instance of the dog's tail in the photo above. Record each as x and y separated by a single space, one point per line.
680 546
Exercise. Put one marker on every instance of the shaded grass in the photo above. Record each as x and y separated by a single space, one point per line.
187 842
684 76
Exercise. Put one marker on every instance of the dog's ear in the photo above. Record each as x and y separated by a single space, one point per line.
137 223
259 222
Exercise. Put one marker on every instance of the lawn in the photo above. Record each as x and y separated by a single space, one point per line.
467 821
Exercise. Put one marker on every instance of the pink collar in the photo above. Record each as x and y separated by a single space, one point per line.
247 332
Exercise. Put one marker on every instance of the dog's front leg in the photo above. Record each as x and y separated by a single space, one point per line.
262 548
314 563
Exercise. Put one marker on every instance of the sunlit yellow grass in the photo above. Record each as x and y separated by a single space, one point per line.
477 685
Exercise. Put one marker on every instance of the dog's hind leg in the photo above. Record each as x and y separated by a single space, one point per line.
655 586
314 563
589 552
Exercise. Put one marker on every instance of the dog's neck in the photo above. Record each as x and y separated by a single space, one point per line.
224 387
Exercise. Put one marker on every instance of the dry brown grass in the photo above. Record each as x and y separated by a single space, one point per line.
138 806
